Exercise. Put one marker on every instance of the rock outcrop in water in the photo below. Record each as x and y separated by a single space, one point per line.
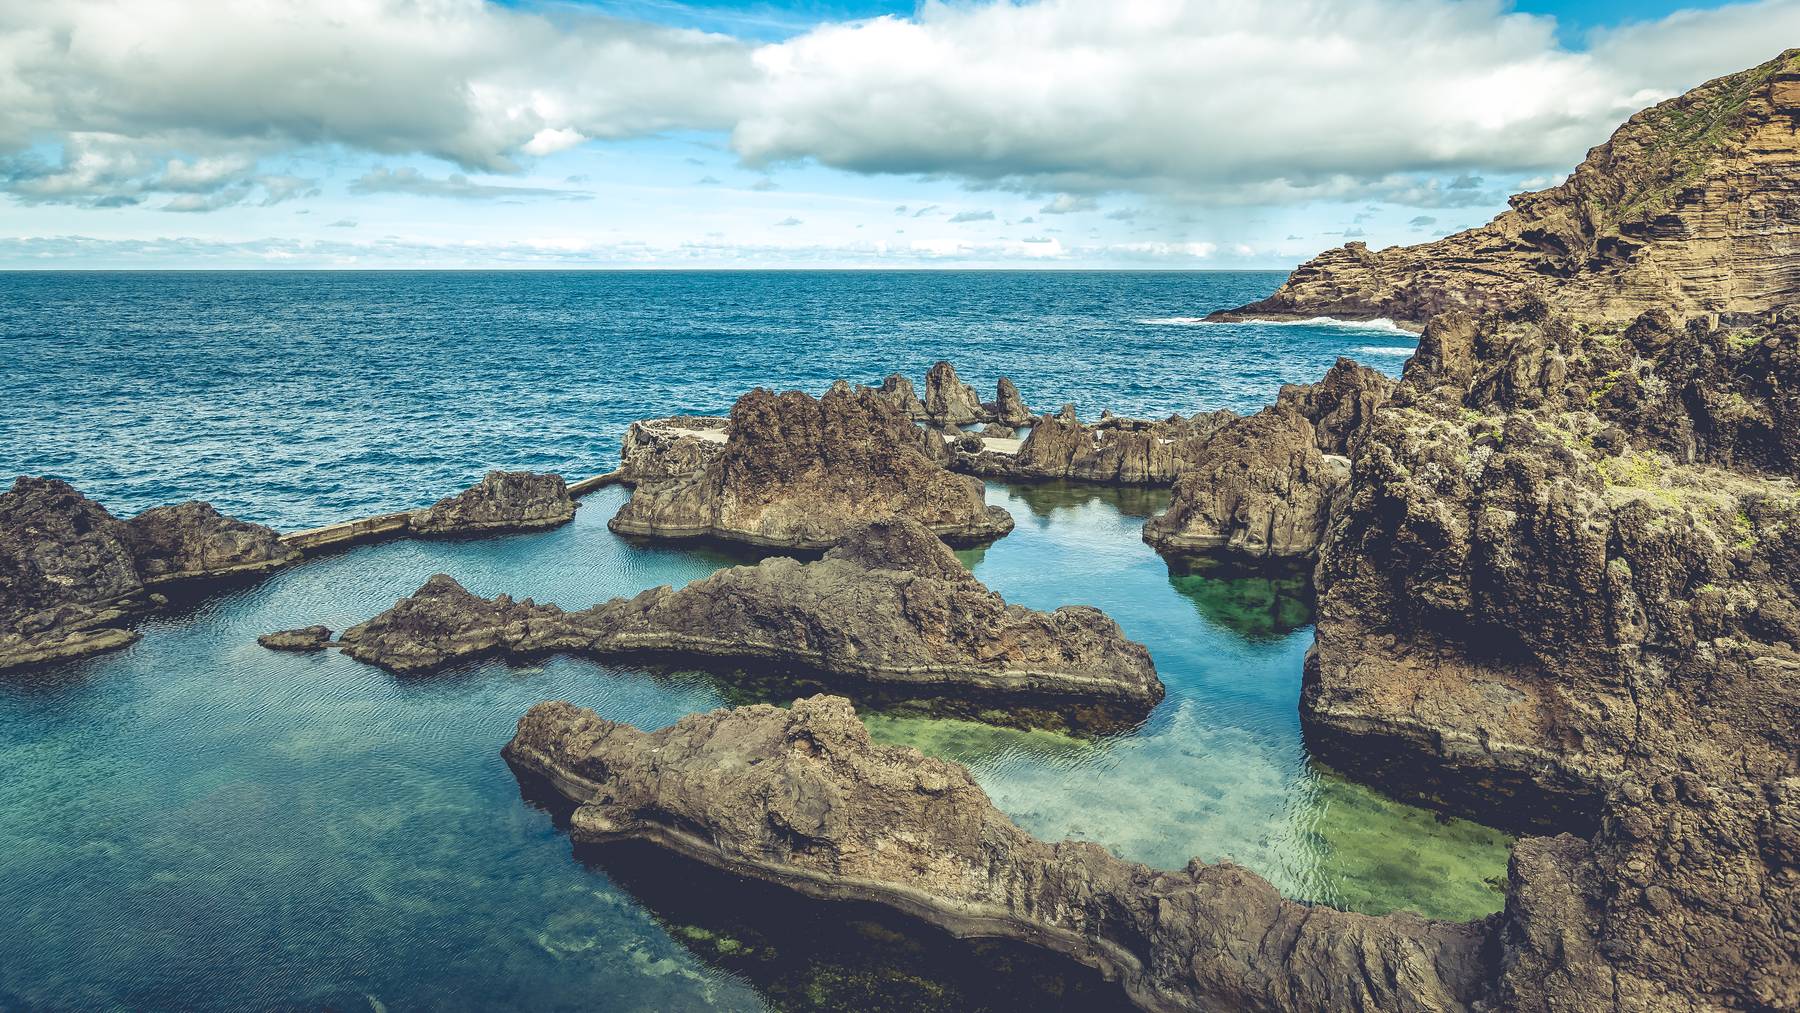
501 501
1263 488
899 389
1688 208
656 450
802 797
309 638
1009 408
1114 450
71 572
798 472
948 400
1685 899
891 605
1568 551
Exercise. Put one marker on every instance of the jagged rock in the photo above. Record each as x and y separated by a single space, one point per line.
1259 489
801 473
920 619
71 572
948 400
192 539
999 431
1009 407
501 501
656 450
899 389
1126 451
309 638
1686 209
1341 406
803 798
1567 551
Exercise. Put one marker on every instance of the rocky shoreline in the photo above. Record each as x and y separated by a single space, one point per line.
922 621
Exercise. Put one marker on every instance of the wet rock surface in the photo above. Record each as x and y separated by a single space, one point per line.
656 450
802 797
799 472
309 638
1567 551
501 501
919 619
71 572
1683 209
1684 898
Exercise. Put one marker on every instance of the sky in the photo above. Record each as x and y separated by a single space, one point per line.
1166 134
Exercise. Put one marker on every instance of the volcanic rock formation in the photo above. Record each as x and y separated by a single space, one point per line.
1567 552
917 618
801 473
1688 208
501 501
948 400
309 638
656 450
70 572
1684 900
899 389
1120 450
1009 408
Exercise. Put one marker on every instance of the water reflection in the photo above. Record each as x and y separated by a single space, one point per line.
1257 606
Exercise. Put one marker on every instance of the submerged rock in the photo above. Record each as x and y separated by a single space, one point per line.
1258 490
70 571
918 619
309 638
501 501
803 798
799 472
1686 209
948 400
655 450
1683 900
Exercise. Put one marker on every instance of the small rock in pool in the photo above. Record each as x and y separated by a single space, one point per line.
311 638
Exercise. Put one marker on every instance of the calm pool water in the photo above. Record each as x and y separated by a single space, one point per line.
197 823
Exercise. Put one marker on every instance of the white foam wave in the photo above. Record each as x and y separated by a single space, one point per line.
1382 324
1386 349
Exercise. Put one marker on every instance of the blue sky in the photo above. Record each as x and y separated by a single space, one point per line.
651 133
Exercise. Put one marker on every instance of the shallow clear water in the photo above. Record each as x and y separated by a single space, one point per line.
195 822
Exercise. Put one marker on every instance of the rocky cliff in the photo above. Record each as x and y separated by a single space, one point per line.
1689 208
1568 551
1114 450
799 472
656 450
1685 899
71 572
920 620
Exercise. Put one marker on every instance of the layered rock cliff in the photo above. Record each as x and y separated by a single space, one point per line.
71 572
1568 551
920 619
799 472
1685 899
656 450
1689 208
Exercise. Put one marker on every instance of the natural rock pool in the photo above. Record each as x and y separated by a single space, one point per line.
198 822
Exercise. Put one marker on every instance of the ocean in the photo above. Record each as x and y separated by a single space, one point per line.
197 823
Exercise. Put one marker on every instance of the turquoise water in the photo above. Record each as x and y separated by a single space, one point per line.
197 823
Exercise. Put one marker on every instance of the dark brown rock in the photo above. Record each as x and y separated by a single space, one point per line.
921 620
803 798
948 400
1684 209
1116 450
501 501
1341 406
193 540
899 389
1567 552
801 473
1259 489
656 450
1009 407
309 638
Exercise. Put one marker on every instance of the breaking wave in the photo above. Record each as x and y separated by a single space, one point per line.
1383 324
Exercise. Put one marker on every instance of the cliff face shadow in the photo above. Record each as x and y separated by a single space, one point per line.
1258 604
805 955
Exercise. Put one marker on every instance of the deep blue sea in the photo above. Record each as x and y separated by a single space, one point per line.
197 823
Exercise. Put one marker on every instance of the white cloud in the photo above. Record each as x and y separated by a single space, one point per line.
1068 204
456 185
